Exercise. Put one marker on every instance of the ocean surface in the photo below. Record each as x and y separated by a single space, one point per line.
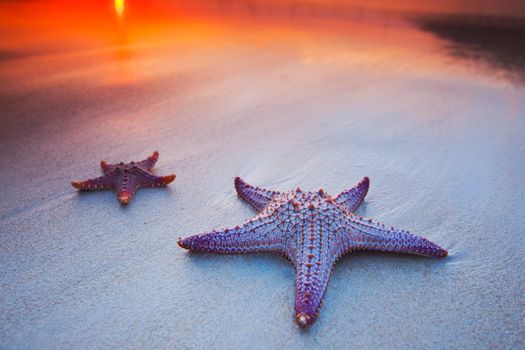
430 104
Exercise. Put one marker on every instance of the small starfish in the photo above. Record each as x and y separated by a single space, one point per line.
126 178
313 230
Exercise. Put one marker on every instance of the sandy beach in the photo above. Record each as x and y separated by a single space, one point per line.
425 103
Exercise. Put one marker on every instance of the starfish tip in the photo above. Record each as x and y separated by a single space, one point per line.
238 181
76 184
124 199
170 178
181 243
365 182
303 320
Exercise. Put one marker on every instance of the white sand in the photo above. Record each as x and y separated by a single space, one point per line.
441 138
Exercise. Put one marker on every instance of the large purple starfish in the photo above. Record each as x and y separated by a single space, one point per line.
313 230
126 178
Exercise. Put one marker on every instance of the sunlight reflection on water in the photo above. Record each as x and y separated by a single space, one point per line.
119 8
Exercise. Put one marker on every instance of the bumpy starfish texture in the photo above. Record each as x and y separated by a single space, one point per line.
311 229
126 178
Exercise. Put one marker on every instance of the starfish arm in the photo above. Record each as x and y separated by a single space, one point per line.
105 182
148 163
313 274
363 234
149 180
352 198
107 168
127 185
254 236
255 196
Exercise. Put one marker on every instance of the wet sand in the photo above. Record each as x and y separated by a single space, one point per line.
425 105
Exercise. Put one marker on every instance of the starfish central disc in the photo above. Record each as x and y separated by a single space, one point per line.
311 229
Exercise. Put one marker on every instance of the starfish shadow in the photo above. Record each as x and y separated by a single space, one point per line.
257 259
389 256
160 193
88 196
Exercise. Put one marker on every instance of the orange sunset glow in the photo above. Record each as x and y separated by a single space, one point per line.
157 28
